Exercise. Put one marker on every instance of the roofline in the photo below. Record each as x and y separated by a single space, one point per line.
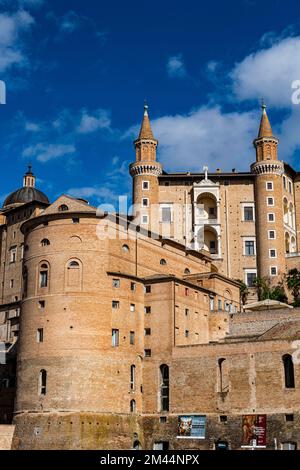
213 274
37 220
161 278
221 175
5 210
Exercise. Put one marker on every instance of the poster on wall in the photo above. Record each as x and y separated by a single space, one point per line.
191 426
254 430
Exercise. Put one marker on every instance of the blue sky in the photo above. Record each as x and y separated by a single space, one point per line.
77 74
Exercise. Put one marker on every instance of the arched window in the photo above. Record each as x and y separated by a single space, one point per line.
132 406
73 265
223 379
75 239
73 275
44 275
187 271
132 377
125 248
289 376
164 387
63 208
45 242
137 445
285 211
162 262
43 382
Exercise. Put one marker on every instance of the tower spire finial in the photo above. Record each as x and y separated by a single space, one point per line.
29 178
146 107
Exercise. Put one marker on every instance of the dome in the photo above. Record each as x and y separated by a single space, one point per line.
24 195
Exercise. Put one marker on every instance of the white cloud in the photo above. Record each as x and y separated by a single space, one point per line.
175 67
269 73
89 123
12 26
100 193
44 152
206 136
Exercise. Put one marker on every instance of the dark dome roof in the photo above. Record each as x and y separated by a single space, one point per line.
24 195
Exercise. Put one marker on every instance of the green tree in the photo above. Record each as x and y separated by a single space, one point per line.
244 291
293 284
266 291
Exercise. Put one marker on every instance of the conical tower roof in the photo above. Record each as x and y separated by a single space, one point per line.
146 131
265 129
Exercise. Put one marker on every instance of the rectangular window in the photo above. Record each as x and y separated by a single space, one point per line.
147 289
13 255
186 312
211 303
11 283
116 283
40 335
269 185
42 304
270 201
147 331
290 187
166 214
75 220
115 304
146 185
147 352
145 219
147 309
289 417
271 217
132 307
249 248
248 213
284 182
272 234
132 286
250 278
161 445
43 278
186 291
145 202
187 333
219 304
132 337
273 270
115 338
272 253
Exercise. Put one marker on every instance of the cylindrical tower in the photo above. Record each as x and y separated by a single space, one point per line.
268 203
145 172
79 365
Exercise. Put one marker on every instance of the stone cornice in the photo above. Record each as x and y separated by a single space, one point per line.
145 168
274 167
